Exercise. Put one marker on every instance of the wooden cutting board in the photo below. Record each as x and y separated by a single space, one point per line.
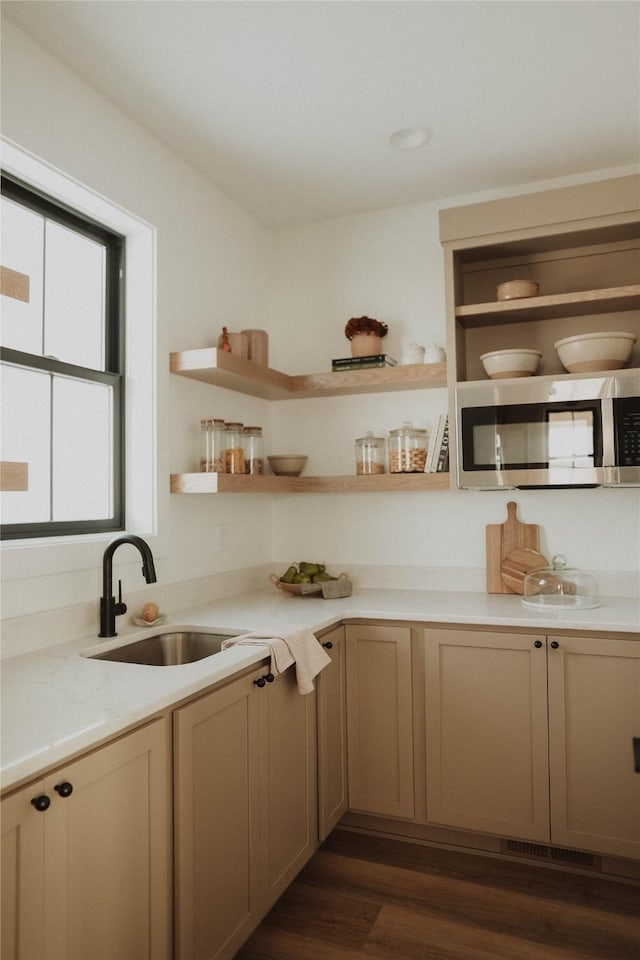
503 539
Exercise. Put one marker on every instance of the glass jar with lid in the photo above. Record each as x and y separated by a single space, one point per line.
212 442
234 448
253 450
407 449
370 452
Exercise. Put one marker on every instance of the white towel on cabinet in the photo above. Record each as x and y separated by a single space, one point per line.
298 646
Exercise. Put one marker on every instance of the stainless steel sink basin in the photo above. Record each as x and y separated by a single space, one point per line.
168 649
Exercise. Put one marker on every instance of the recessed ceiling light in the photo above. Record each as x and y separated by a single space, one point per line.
411 138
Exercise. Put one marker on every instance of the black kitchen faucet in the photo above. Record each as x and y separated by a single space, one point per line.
109 607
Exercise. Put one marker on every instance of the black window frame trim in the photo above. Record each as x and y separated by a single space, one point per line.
114 358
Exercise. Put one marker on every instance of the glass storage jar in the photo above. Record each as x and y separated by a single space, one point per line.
253 450
407 449
212 433
370 454
234 448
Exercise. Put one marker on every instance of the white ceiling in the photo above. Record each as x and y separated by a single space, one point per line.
288 106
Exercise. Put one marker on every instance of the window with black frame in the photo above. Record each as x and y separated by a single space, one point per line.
61 369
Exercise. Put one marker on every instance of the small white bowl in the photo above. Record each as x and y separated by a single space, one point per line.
517 289
287 464
595 351
501 364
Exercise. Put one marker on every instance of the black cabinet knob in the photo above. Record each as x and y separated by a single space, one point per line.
41 803
537 643
554 644
328 645
269 677
260 682
64 789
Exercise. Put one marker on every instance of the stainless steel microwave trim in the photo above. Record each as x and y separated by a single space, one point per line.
550 389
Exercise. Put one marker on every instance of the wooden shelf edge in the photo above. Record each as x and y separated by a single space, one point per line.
218 368
241 483
553 305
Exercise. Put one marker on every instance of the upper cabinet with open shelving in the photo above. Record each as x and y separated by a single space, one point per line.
582 246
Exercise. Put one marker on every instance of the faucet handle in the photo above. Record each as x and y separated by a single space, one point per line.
120 607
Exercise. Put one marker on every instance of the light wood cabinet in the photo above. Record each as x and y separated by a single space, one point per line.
489 719
380 720
332 734
486 732
245 808
88 876
594 714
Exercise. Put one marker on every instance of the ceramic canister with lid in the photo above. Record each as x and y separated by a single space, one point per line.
407 449
370 454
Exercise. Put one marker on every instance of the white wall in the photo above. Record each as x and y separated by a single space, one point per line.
217 265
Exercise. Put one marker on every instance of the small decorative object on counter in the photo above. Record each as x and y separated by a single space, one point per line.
365 334
434 354
559 586
370 454
223 341
234 448
258 341
212 446
414 353
407 449
253 450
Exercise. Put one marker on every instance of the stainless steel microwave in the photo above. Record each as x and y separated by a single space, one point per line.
549 432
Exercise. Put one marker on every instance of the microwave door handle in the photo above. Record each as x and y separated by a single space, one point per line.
608 433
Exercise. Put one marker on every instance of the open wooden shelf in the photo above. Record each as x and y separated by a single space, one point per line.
221 369
243 483
551 307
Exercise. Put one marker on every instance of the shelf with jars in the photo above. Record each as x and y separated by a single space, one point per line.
223 369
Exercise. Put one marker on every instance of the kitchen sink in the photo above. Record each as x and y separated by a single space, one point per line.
169 649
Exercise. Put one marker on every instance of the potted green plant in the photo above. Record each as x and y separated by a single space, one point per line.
365 334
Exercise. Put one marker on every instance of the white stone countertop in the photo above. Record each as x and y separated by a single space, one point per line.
57 703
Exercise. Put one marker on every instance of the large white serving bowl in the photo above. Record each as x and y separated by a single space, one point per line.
595 351
501 364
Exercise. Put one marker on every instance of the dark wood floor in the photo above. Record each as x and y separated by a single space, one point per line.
372 897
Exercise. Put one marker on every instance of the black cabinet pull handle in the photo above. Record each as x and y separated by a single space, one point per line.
328 645
64 789
554 644
636 754
537 643
41 803
260 682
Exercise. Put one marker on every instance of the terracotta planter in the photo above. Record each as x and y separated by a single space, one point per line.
366 345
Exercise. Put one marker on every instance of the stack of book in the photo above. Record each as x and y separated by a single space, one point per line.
363 363
438 450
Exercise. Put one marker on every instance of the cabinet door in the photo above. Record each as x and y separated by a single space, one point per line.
486 737
594 713
332 735
22 875
288 783
216 828
380 720
107 852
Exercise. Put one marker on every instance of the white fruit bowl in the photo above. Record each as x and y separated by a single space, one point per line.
501 364
595 351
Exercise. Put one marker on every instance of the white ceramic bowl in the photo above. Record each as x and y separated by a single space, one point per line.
287 464
517 289
501 364
595 351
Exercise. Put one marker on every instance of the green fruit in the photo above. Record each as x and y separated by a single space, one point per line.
309 568
301 578
289 575
320 577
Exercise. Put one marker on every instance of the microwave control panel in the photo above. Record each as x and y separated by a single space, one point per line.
627 428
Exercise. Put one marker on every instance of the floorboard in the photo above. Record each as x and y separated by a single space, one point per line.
363 896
